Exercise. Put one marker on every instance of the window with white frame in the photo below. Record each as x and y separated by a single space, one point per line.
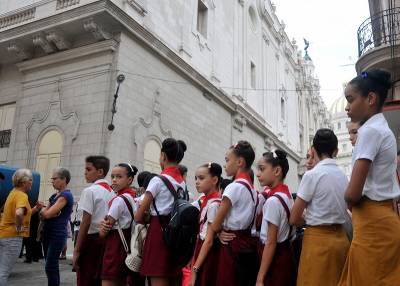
202 18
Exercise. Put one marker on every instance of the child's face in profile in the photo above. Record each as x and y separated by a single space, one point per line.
92 174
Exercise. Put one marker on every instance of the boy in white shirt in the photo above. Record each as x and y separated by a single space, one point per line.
93 205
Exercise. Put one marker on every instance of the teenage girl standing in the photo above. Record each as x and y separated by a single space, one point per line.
374 252
321 191
158 263
275 249
236 215
205 258
120 214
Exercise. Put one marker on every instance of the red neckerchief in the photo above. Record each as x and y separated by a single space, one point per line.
281 188
173 171
121 192
105 185
204 200
245 176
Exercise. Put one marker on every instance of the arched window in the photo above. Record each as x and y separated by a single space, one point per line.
151 159
48 157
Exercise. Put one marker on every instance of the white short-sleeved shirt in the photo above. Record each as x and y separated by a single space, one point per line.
243 204
323 188
210 210
120 212
376 143
163 197
94 200
259 210
275 213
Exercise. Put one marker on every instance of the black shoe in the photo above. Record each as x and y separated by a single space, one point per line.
27 261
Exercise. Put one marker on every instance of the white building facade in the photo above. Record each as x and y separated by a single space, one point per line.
208 72
339 123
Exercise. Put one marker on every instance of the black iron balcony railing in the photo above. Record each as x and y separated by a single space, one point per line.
381 29
5 136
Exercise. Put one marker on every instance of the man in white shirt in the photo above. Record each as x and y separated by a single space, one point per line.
93 206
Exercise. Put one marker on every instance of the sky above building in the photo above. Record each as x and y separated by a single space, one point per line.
331 28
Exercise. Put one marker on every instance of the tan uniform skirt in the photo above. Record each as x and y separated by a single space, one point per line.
374 255
323 255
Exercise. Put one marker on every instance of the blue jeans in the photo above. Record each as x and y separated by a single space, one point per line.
9 251
53 247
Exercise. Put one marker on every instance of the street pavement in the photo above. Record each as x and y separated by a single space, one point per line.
33 274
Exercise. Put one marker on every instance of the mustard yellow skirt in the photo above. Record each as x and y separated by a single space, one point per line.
374 255
323 256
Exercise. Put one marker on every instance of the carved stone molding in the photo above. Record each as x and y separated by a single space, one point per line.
241 2
62 4
58 40
53 117
97 31
19 51
17 18
268 143
155 116
138 5
238 122
41 41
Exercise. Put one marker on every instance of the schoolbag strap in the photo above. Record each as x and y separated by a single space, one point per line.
128 205
247 187
255 203
169 185
285 206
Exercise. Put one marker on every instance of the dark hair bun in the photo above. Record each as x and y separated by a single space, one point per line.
182 145
325 142
280 154
381 76
245 150
173 149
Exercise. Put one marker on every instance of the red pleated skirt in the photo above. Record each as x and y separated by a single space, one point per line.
90 261
282 270
227 255
207 275
157 259
114 256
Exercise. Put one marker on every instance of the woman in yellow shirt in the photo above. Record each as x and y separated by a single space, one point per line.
14 224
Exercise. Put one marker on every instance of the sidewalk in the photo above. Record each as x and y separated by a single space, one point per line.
33 274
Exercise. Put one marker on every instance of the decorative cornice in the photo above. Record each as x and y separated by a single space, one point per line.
104 46
41 41
17 18
62 4
18 50
58 39
238 122
97 31
138 5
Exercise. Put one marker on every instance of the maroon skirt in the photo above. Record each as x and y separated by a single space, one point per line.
90 261
157 259
282 270
114 267
228 254
207 275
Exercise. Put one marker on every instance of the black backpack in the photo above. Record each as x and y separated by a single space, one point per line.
180 233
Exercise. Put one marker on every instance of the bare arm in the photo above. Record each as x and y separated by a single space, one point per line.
55 209
222 212
296 214
268 253
144 207
106 225
19 217
358 177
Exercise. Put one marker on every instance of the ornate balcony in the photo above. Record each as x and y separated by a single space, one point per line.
382 29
